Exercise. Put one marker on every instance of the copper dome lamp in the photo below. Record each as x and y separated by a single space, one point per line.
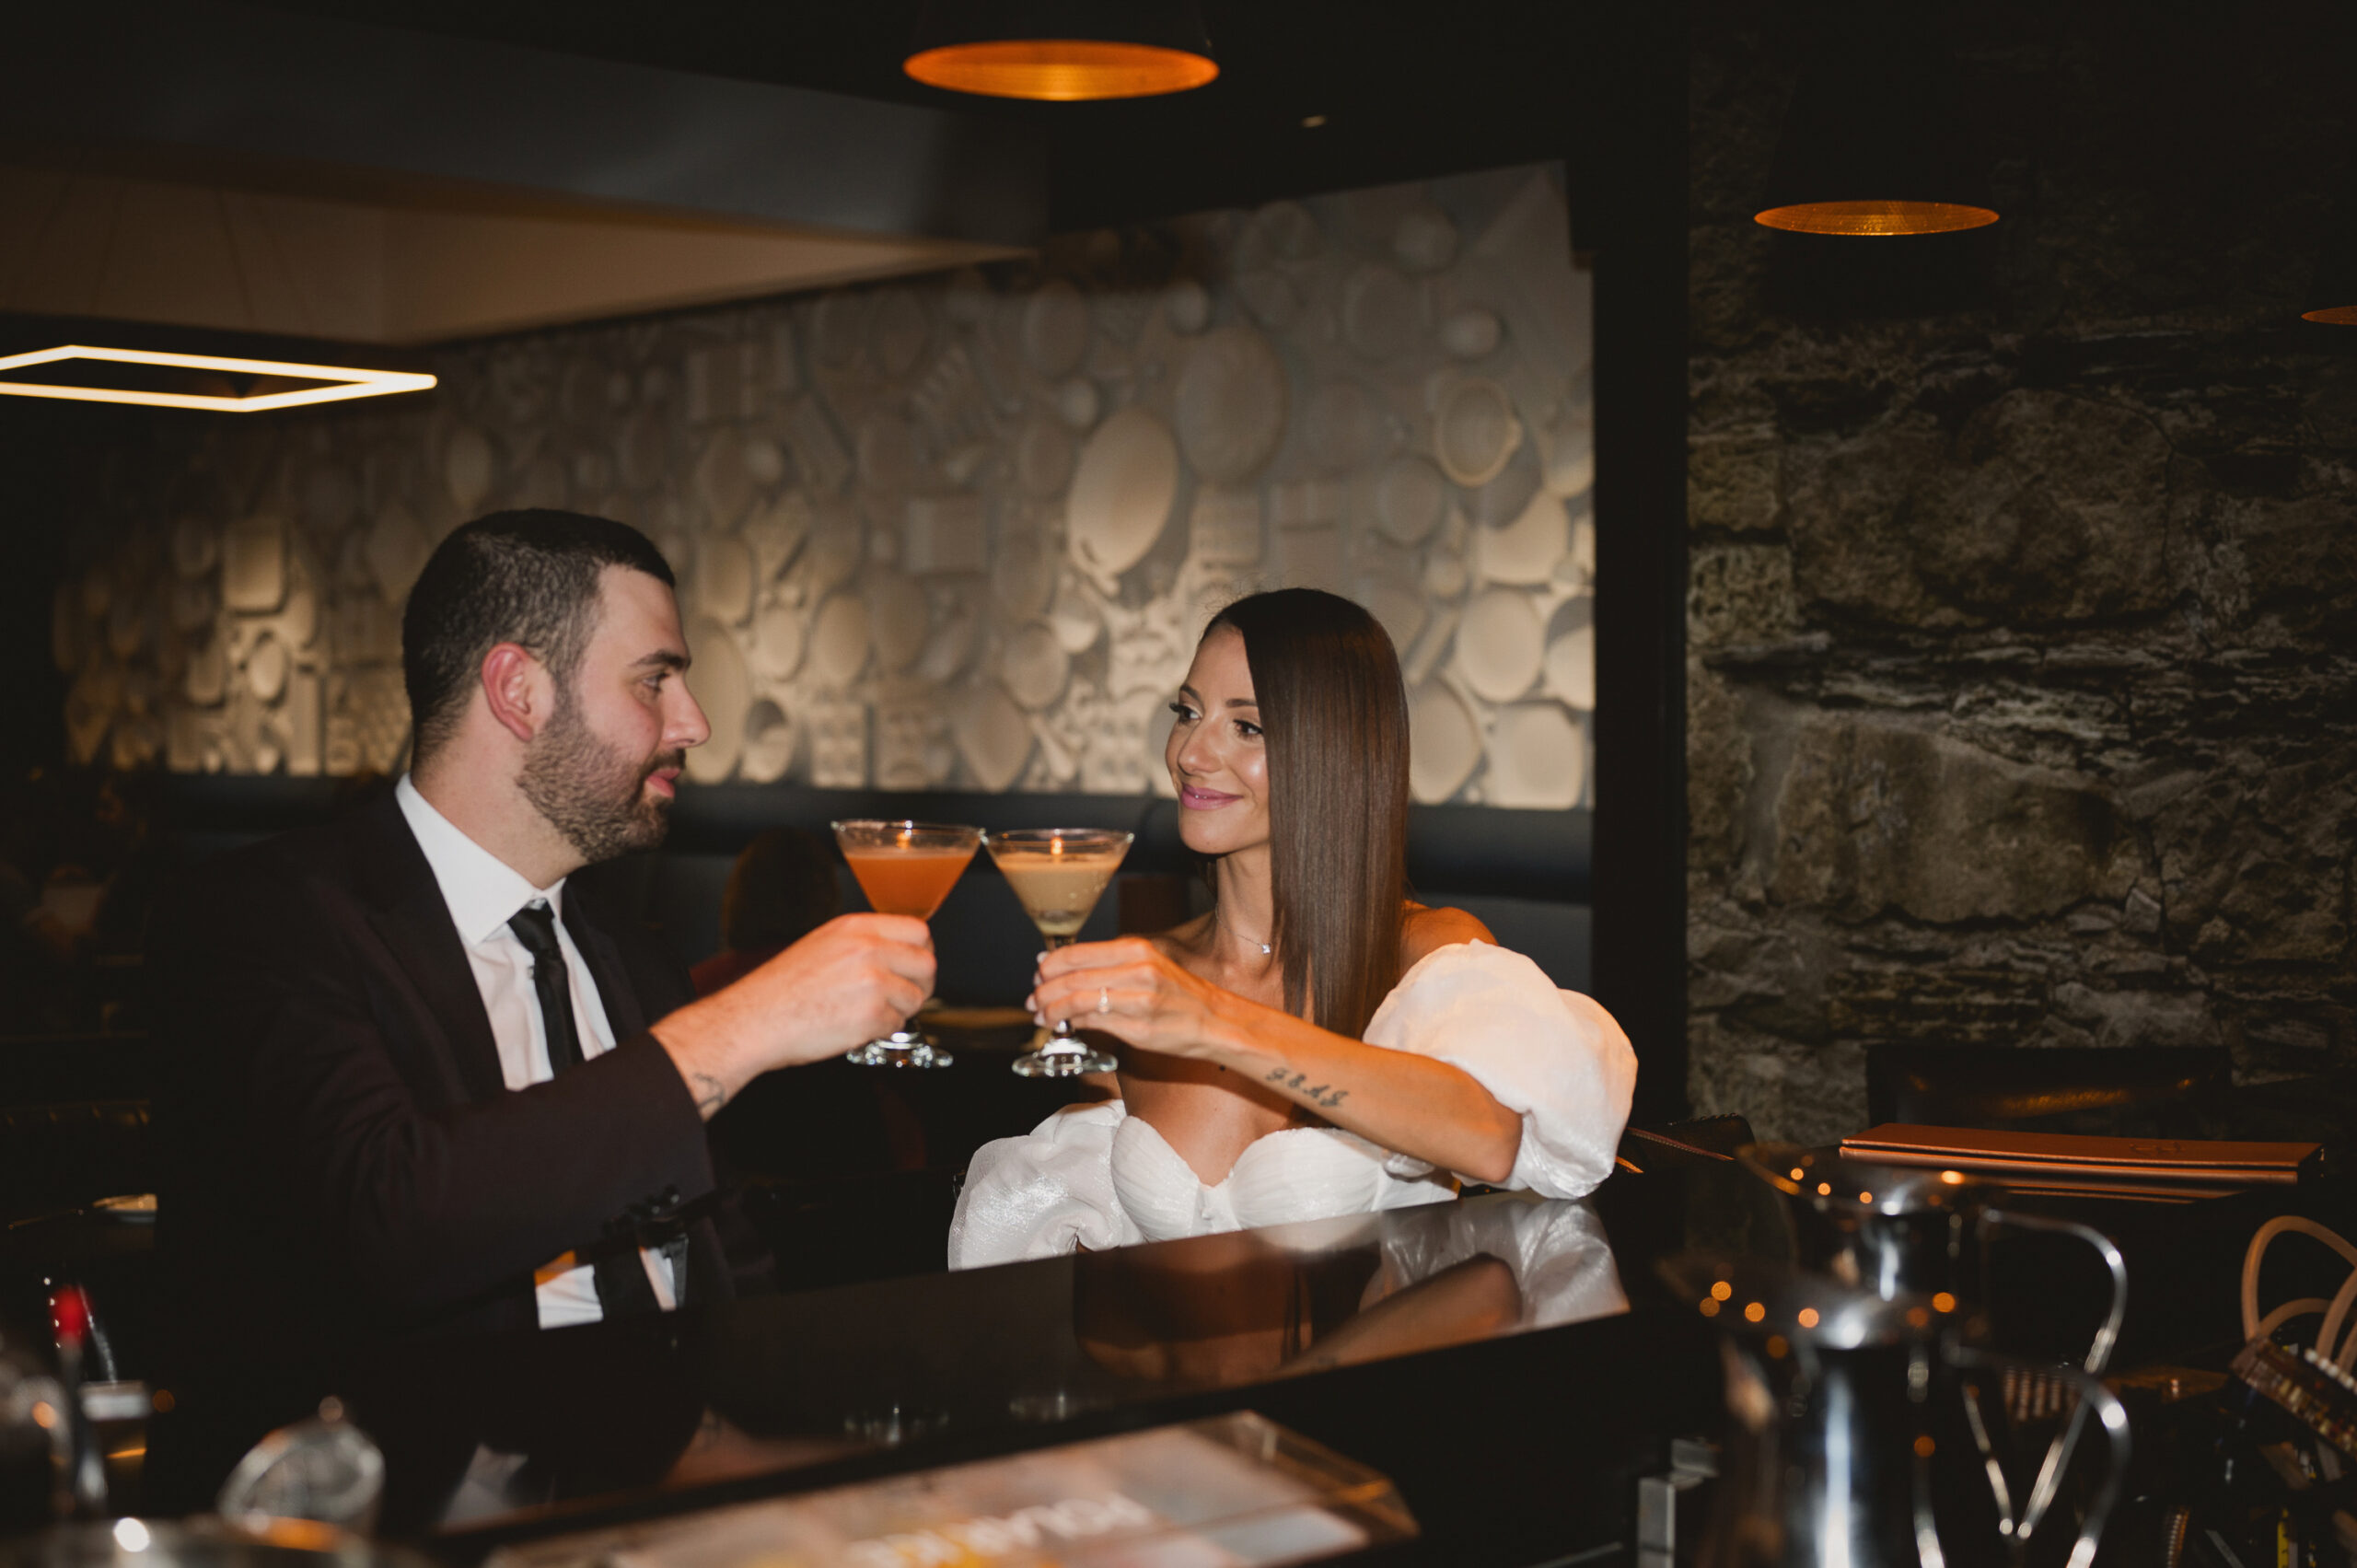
1877 142
1062 51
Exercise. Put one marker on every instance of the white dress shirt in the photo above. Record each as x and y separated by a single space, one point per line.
483 893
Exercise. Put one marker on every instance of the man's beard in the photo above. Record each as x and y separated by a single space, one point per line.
590 792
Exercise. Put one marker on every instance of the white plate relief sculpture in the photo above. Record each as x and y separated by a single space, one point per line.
960 530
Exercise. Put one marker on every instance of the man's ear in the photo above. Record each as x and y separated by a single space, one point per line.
517 690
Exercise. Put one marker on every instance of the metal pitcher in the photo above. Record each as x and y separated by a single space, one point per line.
1894 1230
1863 1433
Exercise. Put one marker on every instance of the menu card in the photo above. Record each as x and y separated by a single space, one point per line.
1231 1491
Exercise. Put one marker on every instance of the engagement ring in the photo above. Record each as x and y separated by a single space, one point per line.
1104 999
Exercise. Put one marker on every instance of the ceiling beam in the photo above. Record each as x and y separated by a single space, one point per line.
302 98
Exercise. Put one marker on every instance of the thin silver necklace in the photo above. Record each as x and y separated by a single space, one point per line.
1264 947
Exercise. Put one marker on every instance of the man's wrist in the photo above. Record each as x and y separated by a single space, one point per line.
703 1062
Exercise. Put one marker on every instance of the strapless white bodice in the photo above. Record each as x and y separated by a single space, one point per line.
1094 1176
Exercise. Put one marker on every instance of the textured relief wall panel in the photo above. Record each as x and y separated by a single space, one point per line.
2023 605
961 531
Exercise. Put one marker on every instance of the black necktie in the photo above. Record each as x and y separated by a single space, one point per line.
623 1285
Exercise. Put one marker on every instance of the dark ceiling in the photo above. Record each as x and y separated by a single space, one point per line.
1406 90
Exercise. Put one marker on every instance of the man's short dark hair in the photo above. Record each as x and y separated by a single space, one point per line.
527 577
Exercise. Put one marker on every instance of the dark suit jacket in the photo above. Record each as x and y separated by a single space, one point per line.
343 1161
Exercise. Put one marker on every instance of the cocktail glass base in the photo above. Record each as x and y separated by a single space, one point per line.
1064 1058
901 1047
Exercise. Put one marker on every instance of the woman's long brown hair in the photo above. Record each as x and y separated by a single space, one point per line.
1335 715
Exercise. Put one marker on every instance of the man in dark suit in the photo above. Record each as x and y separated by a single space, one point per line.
420 1086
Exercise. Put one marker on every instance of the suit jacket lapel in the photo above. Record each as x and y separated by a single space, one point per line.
623 1014
411 918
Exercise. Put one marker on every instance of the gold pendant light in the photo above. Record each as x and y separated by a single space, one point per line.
1875 142
1875 217
1062 51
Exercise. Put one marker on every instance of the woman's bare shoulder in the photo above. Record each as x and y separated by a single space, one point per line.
1428 929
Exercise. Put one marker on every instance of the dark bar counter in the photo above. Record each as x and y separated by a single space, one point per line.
1513 1365
1484 1354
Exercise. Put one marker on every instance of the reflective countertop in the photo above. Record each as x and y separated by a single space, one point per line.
1511 1364
487 1439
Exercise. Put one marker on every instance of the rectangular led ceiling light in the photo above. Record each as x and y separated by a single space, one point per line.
155 379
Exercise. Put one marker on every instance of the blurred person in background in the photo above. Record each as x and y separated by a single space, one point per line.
781 890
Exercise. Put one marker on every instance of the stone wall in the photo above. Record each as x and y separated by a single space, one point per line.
2023 621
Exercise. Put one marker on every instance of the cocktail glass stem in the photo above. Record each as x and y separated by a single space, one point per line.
902 1048
1058 874
1062 1054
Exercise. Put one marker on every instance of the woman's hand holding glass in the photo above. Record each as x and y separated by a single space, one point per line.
1130 989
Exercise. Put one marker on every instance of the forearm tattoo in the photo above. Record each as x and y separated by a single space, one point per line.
1316 1094
711 1094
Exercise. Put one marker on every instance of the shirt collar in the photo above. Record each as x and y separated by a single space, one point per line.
482 890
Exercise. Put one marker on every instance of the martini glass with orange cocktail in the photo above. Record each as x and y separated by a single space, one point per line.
905 868
1058 875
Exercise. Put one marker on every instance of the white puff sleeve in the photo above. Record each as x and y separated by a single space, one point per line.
1043 1195
1553 1057
1559 1255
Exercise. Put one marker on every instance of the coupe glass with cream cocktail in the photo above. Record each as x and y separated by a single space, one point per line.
905 868
1058 874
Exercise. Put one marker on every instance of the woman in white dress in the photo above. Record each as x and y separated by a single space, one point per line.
1317 1044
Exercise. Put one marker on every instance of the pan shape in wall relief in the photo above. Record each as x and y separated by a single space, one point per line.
1034 666
470 469
898 618
1043 456
1187 306
771 740
1444 745
1410 497
196 546
994 736
1381 312
1474 431
1122 494
398 549
724 578
838 650
722 691
1571 652
1526 548
1500 644
778 639
253 562
777 532
1023 576
1424 240
1537 758
1231 404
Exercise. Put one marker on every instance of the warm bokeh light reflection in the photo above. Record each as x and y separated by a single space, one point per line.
1061 70
2333 316
1875 218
